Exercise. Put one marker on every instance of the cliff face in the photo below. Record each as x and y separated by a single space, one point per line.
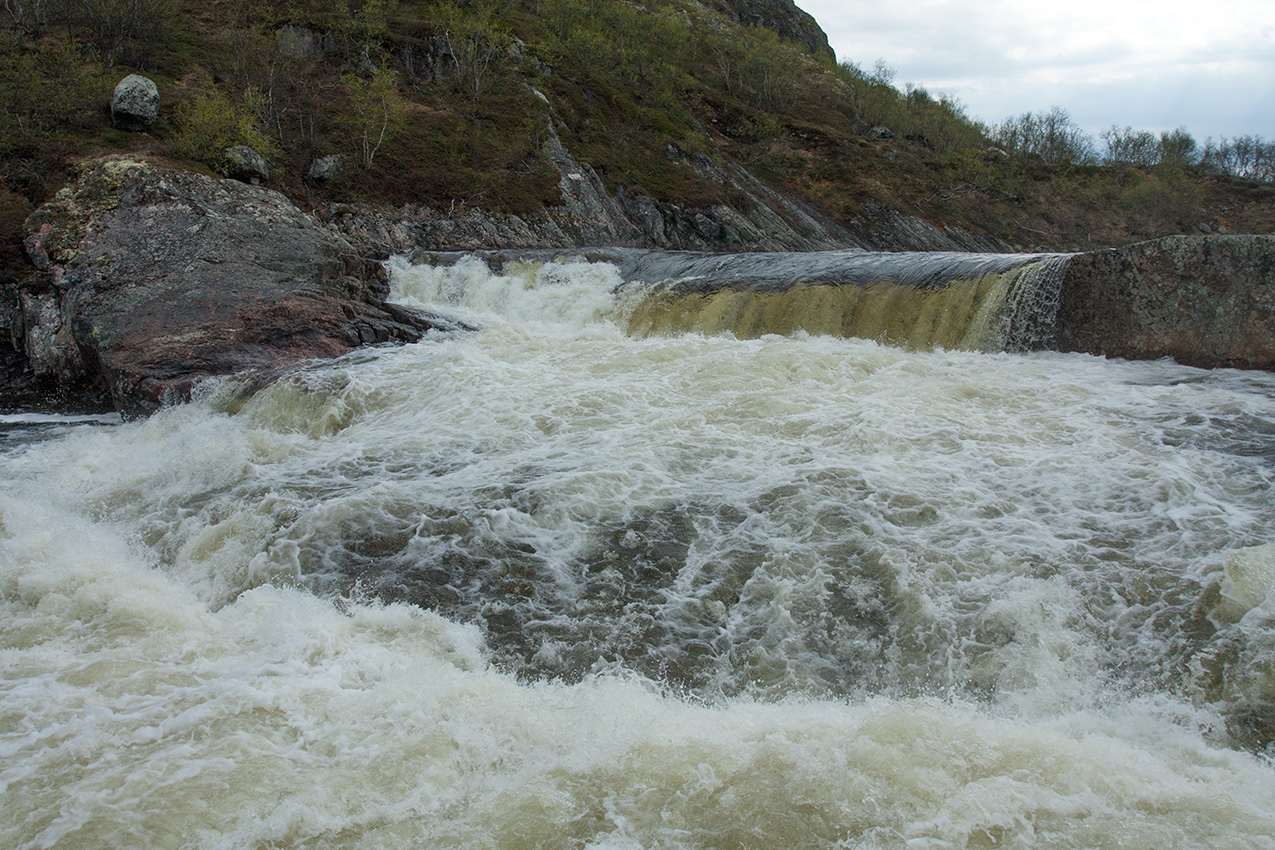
758 218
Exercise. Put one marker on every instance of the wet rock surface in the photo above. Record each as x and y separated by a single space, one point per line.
1206 301
153 279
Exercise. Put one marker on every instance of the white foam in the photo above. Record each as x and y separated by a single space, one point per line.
571 294
1249 577
941 599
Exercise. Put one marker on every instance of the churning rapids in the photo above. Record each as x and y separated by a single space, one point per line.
584 578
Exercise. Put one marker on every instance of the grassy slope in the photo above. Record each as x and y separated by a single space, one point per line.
625 82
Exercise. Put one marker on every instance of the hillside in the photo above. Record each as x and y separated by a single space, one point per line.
720 121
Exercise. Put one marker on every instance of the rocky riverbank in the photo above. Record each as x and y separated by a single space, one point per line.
150 279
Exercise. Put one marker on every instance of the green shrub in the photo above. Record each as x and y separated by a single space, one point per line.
378 110
1178 147
51 102
208 123
356 20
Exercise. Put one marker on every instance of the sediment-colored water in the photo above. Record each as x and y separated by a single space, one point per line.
556 584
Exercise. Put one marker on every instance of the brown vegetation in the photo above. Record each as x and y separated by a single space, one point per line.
448 104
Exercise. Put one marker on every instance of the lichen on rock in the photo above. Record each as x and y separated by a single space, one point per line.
1202 300
244 163
135 104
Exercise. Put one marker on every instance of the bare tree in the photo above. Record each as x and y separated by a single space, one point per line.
1127 146
1051 135
125 30
378 109
27 15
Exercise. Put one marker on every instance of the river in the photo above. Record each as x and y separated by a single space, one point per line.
591 578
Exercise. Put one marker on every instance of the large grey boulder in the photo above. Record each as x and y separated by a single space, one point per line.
154 279
135 104
1202 300
325 168
299 42
244 163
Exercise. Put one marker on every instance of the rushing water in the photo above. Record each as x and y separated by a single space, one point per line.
579 579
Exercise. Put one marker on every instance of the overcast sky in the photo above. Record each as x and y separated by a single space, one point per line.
1209 67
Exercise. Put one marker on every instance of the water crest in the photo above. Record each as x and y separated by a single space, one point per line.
972 302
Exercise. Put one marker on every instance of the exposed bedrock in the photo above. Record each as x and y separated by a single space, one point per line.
152 279
783 17
758 218
1202 300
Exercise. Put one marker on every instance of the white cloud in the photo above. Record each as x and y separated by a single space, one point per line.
1151 65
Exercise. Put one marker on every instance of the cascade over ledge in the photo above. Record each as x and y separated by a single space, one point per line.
152 279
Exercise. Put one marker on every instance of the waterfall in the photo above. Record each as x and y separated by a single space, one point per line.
1030 310
917 301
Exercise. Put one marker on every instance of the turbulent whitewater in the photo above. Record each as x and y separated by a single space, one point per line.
588 577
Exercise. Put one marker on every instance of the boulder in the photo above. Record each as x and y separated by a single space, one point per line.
135 104
247 165
325 168
1202 300
154 279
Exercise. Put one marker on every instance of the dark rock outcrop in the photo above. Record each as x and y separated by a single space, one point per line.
301 43
154 279
783 17
18 387
1202 300
135 104
326 168
758 218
